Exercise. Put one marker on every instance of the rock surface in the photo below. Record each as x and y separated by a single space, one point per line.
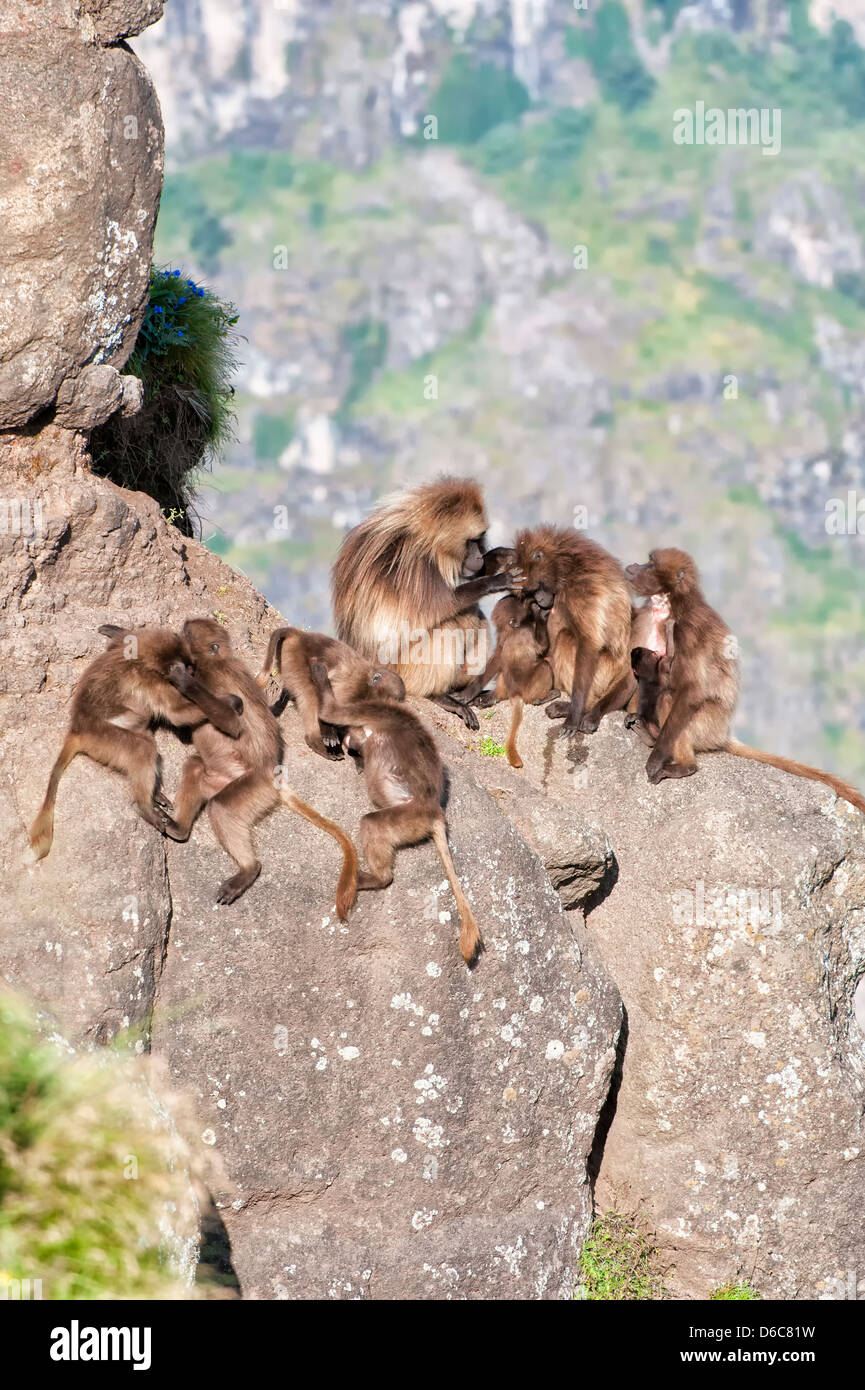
733 923
80 175
389 1123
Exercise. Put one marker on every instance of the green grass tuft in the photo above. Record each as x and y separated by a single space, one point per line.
490 749
741 1292
619 1261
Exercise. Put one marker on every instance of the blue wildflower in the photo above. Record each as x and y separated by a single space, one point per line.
182 300
176 273
157 309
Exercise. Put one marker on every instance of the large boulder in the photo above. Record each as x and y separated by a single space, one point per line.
732 922
389 1123
80 175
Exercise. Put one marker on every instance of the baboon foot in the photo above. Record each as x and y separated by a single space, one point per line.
235 886
558 709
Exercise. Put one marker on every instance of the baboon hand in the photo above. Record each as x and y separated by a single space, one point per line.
467 715
498 559
179 675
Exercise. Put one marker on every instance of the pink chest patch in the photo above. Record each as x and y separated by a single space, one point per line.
660 605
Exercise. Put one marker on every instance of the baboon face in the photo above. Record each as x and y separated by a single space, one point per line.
536 562
664 572
644 579
206 638
645 664
473 560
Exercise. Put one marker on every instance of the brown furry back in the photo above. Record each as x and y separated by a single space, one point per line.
588 584
260 741
705 648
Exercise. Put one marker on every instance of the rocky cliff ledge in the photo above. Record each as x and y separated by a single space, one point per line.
389 1123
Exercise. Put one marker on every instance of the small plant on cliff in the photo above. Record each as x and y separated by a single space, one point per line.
619 1261
740 1292
86 1178
490 749
185 356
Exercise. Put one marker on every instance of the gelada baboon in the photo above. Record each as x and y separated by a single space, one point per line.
406 586
518 665
405 783
704 680
589 624
291 652
238 779
146 674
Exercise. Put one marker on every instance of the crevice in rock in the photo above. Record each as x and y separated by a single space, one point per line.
608 1110
608 882
215 1263
159 965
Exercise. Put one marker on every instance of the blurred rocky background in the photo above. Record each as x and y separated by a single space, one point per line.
551 295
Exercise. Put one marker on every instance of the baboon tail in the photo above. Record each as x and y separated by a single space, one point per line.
346 888
813 774
273 649
42 829
516 719
470 937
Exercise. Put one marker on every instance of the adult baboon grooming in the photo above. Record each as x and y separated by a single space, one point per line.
291 651
405 782
704 680
518 664
146 674
237 779
589 625
398 598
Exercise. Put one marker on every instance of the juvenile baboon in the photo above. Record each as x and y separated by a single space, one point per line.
145 675
589 625
653 699
704 680
237 779
518 665
405 783
406 586
291 651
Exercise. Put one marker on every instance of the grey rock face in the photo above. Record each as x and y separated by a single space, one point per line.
389 1123
733 927
80 174
121 19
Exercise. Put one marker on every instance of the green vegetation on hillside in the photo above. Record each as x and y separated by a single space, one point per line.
86 1179
184 356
